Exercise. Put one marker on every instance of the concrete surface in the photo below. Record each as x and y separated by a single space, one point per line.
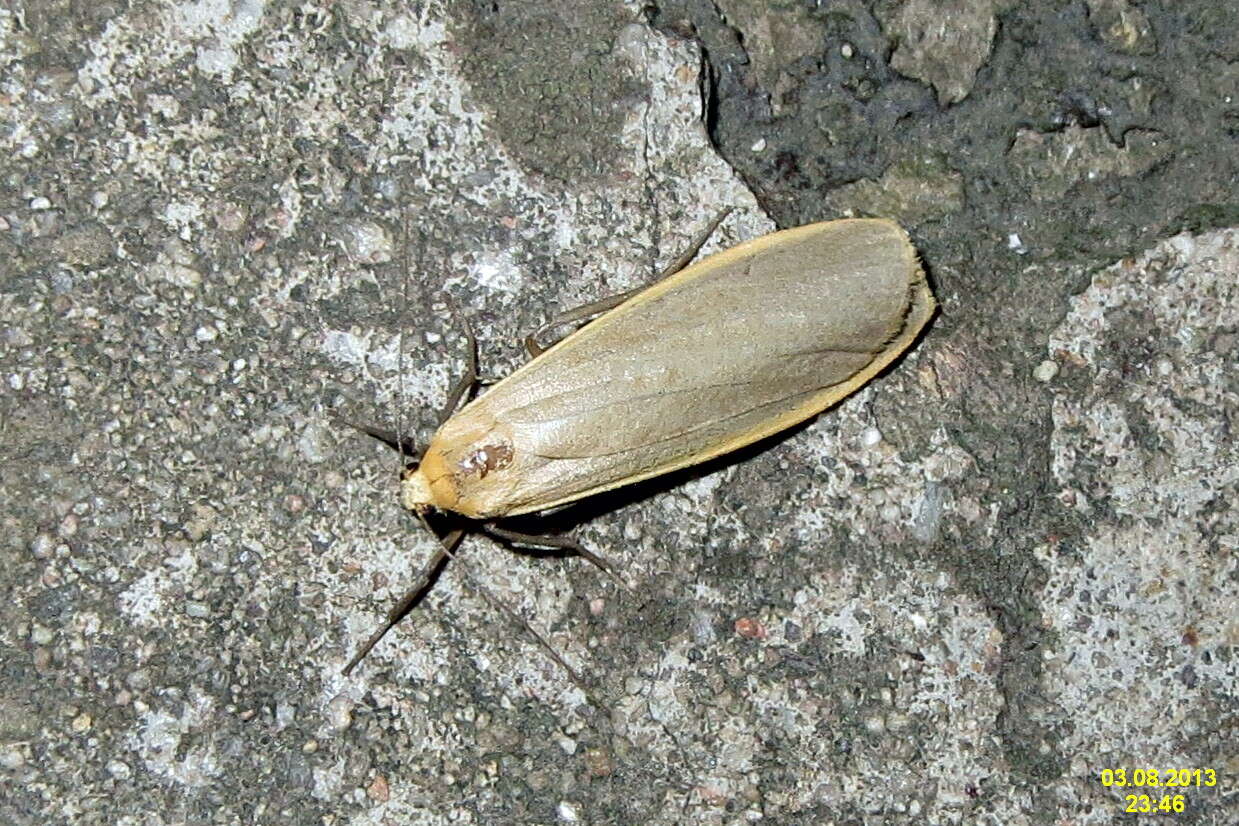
1004 568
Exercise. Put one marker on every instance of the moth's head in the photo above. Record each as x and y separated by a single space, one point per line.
428 485
415 491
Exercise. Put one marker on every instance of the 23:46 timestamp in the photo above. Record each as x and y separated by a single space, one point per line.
1152 778
1142 804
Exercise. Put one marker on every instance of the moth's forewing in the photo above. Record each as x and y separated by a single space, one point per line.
732 349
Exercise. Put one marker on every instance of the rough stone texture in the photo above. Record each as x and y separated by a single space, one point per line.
1051 165
1144 604
1005 567
1124 27
942 43
913 191
783 39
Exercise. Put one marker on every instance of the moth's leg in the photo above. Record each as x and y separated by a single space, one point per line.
559 542
469 380
695 246
595 308
460 390
411 598
402 444
463 386
512 614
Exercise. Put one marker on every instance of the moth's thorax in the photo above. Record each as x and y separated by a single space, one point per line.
462 470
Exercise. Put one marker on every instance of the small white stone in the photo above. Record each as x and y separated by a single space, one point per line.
177 274
340 712
367 241
68 526
43 546
1045 371
12 758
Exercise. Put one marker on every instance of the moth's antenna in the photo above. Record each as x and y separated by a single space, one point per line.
563 543
468 382
405 226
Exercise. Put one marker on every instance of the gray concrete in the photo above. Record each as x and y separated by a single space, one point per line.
1005 567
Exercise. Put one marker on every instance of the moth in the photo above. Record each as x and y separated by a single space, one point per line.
715 356
725 352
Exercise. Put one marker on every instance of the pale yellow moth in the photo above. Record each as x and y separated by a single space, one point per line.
734 348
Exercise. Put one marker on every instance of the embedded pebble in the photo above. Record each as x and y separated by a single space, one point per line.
1045 371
